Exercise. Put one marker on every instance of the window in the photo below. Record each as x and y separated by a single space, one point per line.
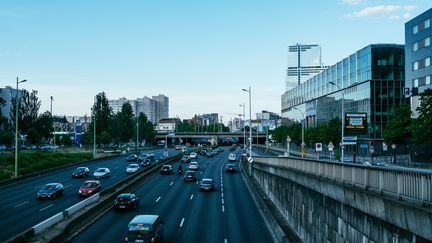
427 80
416 83
415 46
415 29
427 41
415 66
427 61
427 23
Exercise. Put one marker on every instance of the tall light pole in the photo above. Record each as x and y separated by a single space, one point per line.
52 98
342 119
244 125
94 127
302 143
16 126
250 121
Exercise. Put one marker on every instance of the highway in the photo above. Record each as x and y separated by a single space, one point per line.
226 215
20 210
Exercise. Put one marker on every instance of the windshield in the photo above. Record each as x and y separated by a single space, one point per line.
88 185
100 170
48 187
139 229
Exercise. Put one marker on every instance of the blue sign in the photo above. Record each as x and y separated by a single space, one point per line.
363 145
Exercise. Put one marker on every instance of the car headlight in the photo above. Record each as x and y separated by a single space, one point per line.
90 191
79 191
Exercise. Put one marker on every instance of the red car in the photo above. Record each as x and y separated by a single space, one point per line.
89 188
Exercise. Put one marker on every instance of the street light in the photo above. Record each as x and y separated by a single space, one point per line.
244 126
302 143
342 119
52 98
16 126
250 121
94 127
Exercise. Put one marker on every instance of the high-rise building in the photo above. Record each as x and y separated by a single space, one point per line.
116 105
304 62
8 94
147 106
418 55
162 106
371 81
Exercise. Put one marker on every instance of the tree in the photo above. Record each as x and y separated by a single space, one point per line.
127 123
145 130
44 125
33 137
421 129
398 129
28 109
102 113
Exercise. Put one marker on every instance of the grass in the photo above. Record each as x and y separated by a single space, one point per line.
34 161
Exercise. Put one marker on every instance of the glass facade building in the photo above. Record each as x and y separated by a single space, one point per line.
304 62
418 55
372 80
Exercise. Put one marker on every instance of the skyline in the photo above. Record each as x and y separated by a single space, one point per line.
200 55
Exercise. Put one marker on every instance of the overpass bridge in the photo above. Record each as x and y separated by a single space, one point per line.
192 137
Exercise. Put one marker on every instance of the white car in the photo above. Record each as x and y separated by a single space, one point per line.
232 157
193 155
101 173
193 165
132 168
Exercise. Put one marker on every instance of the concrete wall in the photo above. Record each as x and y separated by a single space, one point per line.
321 210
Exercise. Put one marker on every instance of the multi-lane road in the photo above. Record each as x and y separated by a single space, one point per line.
20 210
226 215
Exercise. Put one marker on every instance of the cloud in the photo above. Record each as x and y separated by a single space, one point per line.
389 11
352 2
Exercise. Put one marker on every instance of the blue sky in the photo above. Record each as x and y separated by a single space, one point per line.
198 53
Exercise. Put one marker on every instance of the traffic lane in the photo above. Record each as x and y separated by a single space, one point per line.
241 213
203 219
165 195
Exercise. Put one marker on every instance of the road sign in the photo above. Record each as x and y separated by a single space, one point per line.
349 143
384 146
318 147
330 146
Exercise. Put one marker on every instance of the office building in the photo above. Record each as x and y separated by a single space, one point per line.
147 106
162 106
372 80
418 55
8 95
304 62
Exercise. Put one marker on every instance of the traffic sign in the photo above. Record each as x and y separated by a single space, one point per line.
330 146
318 147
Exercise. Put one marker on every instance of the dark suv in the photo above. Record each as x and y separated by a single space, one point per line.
145 228
126 201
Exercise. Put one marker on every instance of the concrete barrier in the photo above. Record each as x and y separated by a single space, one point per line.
73 209
47 223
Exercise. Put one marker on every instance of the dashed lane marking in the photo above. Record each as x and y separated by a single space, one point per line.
223 209
21 204
191 197
223 201
68 186
157 200
46 207
181 223
172 182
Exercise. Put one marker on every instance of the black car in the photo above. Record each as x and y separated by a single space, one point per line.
146 163
50 191
209 153
230 168
80 172
190 176
166 169
203 152
126 201
207 185
132 158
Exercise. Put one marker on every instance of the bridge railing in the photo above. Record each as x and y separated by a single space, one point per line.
406 183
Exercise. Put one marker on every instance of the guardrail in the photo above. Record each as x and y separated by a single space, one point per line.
406 183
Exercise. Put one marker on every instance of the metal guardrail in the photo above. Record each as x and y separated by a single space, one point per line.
408 183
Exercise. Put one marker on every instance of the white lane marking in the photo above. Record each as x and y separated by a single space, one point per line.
223 201
68 186
181 223
21 204
222 194
46 207
223 209
196 183
157 200
201 172
38 187
172 182
112 177
221 188
191 197
225 241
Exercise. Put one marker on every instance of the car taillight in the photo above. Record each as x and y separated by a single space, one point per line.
126 238
152 240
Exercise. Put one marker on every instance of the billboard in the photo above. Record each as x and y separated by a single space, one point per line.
355 123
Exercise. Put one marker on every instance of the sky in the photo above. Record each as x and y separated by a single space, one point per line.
200 54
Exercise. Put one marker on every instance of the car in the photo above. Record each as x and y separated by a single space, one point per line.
203 152
145 228
209 153
230 168
132 158
101 173
132 168
193 165
232 148
146 163
50 191
89 188
207 184
80 172
232 157
126 201
166 169
193 155
185 158
215 152
178 147
220 150
190 176
141 158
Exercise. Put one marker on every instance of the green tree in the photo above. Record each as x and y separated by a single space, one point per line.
398 129
127 123
28 109
421 129
102 113
146 131
33 137
44 125
104 138
66 140
333 131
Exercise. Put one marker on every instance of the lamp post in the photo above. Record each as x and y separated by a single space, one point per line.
94 127
16 126
302 143
288 140
342 119
51 99
250 121
244 126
